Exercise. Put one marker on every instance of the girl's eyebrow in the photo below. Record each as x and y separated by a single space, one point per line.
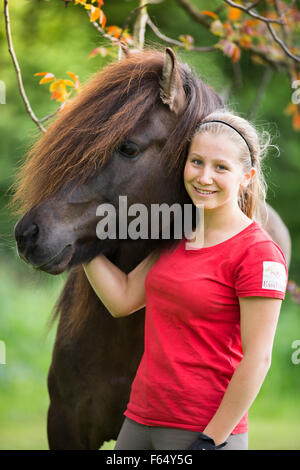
220 160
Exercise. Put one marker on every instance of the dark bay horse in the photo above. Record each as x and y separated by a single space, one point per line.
126 133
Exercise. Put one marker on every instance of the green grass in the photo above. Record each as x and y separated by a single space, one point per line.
274 434
27 298
264 434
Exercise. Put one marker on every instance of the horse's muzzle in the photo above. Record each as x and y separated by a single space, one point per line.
28 237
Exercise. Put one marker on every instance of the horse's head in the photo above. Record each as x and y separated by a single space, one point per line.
125 134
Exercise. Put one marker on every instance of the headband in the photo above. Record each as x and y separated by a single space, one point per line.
229 125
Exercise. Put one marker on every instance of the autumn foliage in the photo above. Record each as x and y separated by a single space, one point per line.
235 31
59 87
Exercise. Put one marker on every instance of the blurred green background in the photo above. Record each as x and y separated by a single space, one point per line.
49 37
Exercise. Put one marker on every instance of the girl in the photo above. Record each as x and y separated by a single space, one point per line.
211 310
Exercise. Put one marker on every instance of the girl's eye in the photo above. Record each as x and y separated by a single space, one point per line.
222 167
196 161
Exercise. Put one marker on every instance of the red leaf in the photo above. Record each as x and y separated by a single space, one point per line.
209 13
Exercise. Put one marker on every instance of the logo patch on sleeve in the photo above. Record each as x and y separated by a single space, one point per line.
274 276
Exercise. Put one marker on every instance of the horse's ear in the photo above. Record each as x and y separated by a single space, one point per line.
171 88
124 50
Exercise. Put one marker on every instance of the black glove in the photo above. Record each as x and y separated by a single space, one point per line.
204 442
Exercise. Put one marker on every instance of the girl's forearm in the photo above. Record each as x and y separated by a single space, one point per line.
240 394
108 282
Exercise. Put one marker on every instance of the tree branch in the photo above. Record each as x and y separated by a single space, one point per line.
268 22
281 44
194 12
175 42
285 35
252 13
52 114
266 78
18 70
140 25
196 15
253 5
131 14
102 32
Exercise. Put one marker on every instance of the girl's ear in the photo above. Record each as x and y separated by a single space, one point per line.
247 178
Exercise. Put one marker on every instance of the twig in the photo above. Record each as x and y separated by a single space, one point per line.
194 12
281 44
101 30
276 65
154 28
285 34
132 13
227 91
267 75
237 74
253 5
288 7
17 68
281 14
165 38
198 17
52 114
140 24
252 13
268 22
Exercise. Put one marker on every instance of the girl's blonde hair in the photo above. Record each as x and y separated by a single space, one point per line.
251 155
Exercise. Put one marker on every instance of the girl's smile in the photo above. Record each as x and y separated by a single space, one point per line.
204 193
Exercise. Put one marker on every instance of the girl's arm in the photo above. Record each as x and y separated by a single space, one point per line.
121 293
259 316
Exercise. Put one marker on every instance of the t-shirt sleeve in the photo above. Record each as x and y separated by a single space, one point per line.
262 272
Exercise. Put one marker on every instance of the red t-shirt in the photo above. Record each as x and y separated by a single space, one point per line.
192 326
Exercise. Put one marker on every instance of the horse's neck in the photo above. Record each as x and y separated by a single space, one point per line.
271 222
130 254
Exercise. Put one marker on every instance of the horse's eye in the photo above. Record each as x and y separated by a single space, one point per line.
129 149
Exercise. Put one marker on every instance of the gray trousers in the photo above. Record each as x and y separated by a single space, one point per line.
136 436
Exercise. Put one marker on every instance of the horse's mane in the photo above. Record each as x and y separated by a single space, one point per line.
95 122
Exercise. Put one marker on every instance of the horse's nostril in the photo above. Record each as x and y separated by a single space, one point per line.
31 232
26 239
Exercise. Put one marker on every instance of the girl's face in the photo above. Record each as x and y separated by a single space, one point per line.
213 173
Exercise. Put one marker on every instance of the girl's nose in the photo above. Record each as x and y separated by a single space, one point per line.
205 177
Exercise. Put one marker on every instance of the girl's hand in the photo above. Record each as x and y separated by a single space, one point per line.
204 442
